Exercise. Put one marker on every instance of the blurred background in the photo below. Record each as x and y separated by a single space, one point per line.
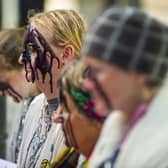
13 13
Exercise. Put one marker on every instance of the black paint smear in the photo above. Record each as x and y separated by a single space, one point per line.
44 67
41 61
32 72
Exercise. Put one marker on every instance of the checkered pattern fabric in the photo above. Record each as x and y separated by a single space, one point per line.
130 39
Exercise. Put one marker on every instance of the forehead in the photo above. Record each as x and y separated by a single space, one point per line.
102 66
39 36
43 30
96 63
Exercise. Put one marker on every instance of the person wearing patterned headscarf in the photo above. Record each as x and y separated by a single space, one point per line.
80 122
127 52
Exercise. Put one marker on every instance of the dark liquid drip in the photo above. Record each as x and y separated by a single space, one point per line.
44 70
41 62
32 72
43 77
26 72
48 69
50 74
37 77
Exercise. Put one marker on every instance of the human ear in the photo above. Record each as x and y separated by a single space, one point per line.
68 54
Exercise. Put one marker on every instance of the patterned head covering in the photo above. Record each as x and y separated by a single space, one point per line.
130 39
84 103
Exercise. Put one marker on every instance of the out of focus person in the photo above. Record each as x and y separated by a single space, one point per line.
53 39
80 123
13 83
127 53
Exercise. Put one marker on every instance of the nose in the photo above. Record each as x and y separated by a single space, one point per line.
20 59
88 84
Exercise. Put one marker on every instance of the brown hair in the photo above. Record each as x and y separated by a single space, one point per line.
11 46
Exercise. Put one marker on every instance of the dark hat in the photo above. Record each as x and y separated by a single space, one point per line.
130 39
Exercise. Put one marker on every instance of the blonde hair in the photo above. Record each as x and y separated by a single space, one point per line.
66 26
11 46
72 74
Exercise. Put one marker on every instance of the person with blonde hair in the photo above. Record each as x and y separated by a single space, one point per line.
53 39
13 83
